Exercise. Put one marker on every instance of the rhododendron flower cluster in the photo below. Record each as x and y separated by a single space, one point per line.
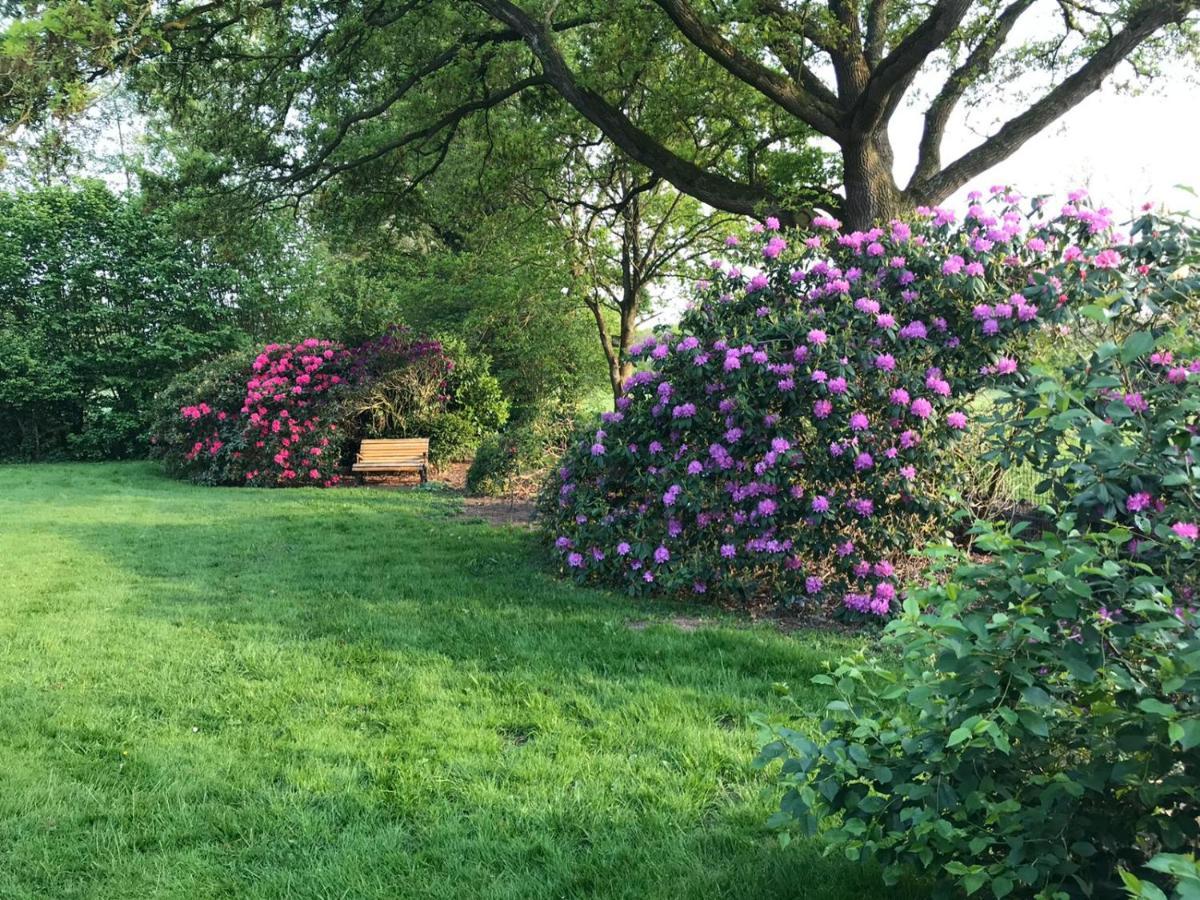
788 436
286 430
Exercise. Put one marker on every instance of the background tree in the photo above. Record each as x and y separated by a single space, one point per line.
629 233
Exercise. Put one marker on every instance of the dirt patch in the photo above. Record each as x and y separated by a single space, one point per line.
500 510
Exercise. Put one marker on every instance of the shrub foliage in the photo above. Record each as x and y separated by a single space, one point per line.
1041 732
100 305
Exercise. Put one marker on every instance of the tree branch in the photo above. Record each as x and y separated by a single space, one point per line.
706 186
1145 21
805 106
898 67
978 61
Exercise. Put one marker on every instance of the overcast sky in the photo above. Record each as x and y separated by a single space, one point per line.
1125 149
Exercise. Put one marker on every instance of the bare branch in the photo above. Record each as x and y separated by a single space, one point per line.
810 109
898 67
708 186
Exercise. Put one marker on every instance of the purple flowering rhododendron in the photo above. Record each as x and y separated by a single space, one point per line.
792 428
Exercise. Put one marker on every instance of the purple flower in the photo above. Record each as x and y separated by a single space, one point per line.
683 411
820 504
822 409
837 385
859 422
862 462
817 336
766 507
1137 502
813 584
575 560
728 551
1136 403
623 549
597 449
885 361
662 554
957 420
921 408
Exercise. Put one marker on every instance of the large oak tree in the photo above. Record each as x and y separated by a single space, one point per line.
304 91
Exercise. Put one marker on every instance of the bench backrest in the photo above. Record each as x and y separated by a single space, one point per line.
382 449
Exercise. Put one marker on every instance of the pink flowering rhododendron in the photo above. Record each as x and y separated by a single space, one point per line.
284 428
795 425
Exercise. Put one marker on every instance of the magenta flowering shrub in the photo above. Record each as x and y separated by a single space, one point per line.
291 436
787 436
289 415
281 430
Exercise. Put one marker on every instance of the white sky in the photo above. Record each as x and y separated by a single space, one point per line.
1124 149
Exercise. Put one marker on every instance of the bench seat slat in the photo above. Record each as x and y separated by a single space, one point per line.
392 455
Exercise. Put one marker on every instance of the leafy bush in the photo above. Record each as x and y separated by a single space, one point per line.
100 305
220 386
1038 728
525 447
289 415
788 438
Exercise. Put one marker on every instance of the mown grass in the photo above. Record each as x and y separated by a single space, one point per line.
355 693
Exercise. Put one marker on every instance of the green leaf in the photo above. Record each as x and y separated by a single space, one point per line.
1033 722
1157 707
957 736
1186 733
1137 345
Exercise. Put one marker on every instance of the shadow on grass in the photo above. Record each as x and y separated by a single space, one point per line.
389 701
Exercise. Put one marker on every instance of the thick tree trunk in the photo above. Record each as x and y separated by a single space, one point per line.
872 196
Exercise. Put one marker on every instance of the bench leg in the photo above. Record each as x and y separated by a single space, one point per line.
424 475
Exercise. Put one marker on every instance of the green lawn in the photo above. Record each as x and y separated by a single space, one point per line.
355 693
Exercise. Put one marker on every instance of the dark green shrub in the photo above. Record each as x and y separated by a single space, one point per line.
495 464
1041 730
100 306
452 437
221 384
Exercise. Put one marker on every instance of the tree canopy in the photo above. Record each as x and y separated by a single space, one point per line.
293 94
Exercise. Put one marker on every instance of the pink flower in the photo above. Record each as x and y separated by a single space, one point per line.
1137 502
921 408
957 420
1189 531
1107 259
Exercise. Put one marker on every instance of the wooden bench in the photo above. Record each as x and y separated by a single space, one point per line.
380 456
